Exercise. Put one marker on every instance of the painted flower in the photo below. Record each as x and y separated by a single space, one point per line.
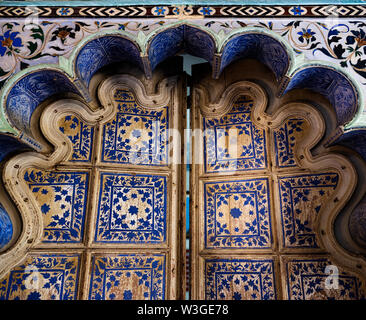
306 35
358 37
45 208
297 10
8 41
176 10
235 213
237 296
133 210
127 295
63 33
206 11
64 11
159 11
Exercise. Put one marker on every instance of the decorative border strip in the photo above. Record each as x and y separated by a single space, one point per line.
185 12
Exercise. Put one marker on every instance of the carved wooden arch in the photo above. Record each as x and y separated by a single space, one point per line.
202 249
168 93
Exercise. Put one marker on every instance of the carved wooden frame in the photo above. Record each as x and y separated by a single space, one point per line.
169 93
203 107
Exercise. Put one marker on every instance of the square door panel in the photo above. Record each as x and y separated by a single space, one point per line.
240 278
237 214
62 200
135 135
301 199
318 278
43 277
234 129
132 208
127 277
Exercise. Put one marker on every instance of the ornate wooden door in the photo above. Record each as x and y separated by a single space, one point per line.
107 203
263 206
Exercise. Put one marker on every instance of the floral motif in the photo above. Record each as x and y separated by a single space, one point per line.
239 279
65 11
297 11
80 135
301 199
9 41
206 11
61 197
306 281
306 35
251 152
43 277
285 139
115 277
136 135
63 33
160 11
131 209
237 214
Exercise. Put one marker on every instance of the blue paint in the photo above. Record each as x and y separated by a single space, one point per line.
59 274
82 139
250 200
62 197
298 233
284 141
122 145
354 139
240 279
330 83
103 51
30 91
173 40
305 280
131 209
109 272
217 157
267 50
166 44
6 227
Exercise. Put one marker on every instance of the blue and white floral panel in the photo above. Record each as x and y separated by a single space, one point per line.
136 135
131 208
128 277
234 128
240 279
43 277
62 200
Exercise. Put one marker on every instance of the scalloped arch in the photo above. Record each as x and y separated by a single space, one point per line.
25 91
337 87
102 51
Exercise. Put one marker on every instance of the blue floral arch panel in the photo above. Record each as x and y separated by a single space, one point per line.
27 93
169 42
103 51
266 49
335 86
